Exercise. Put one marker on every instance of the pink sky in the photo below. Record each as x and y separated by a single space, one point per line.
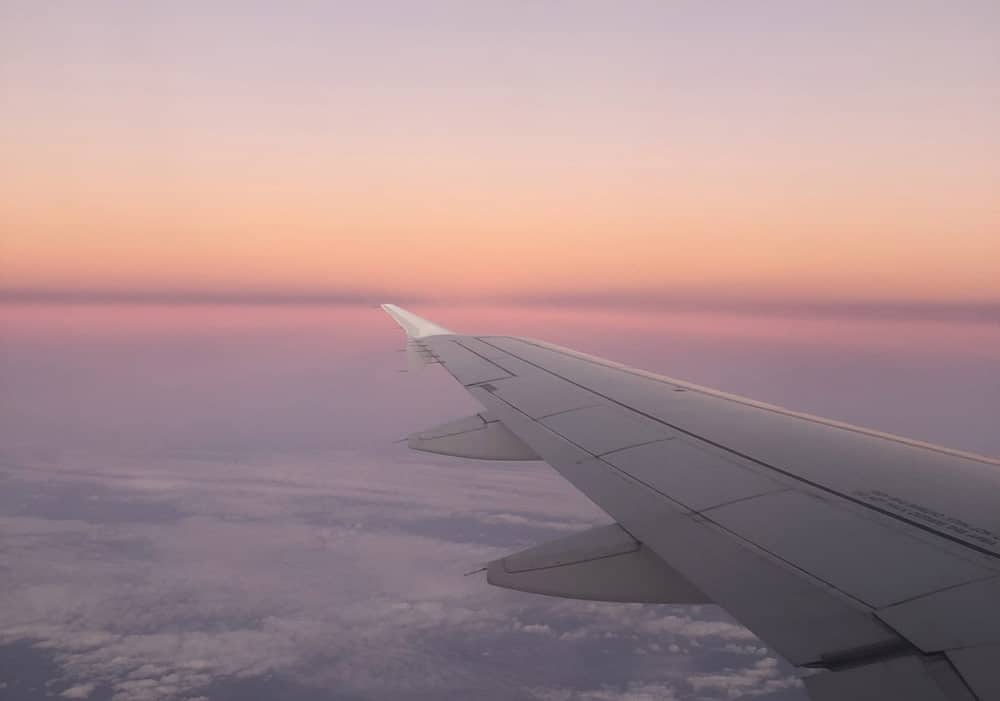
751 151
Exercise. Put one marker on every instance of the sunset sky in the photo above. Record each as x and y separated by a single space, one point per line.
771 150
204 491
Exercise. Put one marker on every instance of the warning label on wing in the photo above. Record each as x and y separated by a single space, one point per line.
931 517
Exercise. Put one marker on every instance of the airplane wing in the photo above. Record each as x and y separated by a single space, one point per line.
872 559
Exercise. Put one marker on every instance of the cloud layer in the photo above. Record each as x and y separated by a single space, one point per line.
169 578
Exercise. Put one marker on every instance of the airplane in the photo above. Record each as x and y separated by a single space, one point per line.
869 561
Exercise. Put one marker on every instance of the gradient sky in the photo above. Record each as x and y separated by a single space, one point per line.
780 150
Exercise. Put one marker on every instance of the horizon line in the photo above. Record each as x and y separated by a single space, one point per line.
652 300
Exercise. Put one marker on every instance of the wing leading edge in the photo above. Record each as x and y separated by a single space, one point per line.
871 557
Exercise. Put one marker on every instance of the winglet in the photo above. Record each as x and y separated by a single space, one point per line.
413 325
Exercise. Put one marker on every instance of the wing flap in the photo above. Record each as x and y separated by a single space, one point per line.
478 436
601 564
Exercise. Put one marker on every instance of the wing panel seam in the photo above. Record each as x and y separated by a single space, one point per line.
704 517
786 473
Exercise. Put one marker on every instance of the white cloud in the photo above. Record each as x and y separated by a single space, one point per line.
534 629
662 623
762 677
631 692
520 520
80 691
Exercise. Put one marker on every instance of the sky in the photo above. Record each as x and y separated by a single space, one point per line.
458 151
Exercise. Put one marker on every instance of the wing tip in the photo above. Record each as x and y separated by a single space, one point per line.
414 326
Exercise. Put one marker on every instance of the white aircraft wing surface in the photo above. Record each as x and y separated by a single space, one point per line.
871 560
